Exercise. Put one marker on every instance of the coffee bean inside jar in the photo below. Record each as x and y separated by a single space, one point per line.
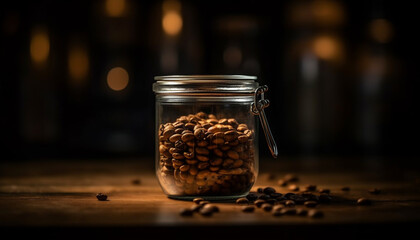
201 155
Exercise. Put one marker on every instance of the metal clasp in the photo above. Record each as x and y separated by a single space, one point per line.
257 108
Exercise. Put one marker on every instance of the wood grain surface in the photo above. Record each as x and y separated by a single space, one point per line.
58 196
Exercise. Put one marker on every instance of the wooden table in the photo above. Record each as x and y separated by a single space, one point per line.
56 198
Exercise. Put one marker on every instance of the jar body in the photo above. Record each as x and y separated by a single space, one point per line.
206 145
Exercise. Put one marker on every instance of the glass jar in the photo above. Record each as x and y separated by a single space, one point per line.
207 138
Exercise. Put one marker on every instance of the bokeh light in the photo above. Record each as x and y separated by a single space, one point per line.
78 64
115 8
39 46
117 78
381 30
172 23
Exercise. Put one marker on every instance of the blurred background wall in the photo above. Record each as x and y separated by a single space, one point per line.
76 76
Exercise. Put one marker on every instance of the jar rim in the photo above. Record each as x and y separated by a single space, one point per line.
193 84
204 77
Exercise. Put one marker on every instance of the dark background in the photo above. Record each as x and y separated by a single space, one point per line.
343 75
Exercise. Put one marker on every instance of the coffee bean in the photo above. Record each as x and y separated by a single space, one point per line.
313 213
248 209
267 207
364 202
276 195
324 190
278 207
288 195
282 183
252 196
202 203
271 201
301 212
242 201
264 196
101 197
211 207
175 138
324 198
293 188
374 191
197 200
310 204
291 177
269 190
196 208
186 212
310 188
259 202
206 212
260 190
345 188
288 211
289 203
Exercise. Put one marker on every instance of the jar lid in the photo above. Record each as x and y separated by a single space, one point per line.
179 84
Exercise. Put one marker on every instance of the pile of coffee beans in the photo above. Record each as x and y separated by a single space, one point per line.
202 155
205 208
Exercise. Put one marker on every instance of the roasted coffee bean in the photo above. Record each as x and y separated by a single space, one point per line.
363 202
178 156
186 212
252 196
211 207
301 212
260 190
310 188
248 209
345 188
184 167
242 201
216 161
202 158
278 207
269 190
276 195
196 208
179 131
288 211
291 177
264 196
310 204
186 137
175 138
101 197
271 201
190 126
324 190
168 132
259 202
324 198
267 207
299 199
374 191
289 203
218 152
203 165
293 188
313 213
202 151
197 200
202 203
206 212
243 138
282 183
289 195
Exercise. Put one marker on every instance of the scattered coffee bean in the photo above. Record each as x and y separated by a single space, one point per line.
289 203
324 198
259 202
324 190
248 209
374 191
271 201
264 197
267 207
282 183
345 188
186 212
202 203
301 212
310 204
269 190
252 196
196 208
288 211
291 177
197 200
288 195
310 188
101 197
278 207
211 207
313 213
363 202
260 190
294 188
206 212
136 182
242 201
276 195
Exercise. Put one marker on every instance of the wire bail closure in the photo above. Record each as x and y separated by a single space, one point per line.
257 108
